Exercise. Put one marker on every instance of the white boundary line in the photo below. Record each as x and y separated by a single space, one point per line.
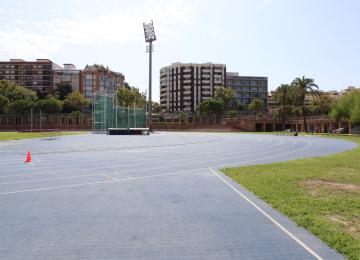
286 231
129 178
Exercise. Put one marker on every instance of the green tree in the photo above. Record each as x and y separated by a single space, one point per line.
62 90
74 102
124 97
16 99
3 102
183 117
212 107
156 108
257 104
233 113
355 115
76 114
321 105
283 97
139 98
241 107
126 85
303 87
227 96
14 92
130 97
20 106
49 105
348 108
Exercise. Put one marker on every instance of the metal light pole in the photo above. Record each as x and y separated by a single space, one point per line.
149 37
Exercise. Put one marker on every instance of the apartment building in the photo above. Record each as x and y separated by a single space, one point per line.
183 86
97 78
67 75
35 75
248 88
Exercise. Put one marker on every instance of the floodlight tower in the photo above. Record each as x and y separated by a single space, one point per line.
149 37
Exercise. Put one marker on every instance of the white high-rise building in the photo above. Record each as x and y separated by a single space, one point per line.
184 85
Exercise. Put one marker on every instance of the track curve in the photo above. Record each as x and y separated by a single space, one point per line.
153 197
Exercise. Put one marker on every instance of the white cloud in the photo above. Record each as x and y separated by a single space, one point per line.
91 27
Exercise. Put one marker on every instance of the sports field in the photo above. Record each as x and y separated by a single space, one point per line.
148 197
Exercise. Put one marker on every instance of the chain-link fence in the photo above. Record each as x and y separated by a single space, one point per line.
107 114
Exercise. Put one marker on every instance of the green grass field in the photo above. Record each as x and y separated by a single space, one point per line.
320 194
5 136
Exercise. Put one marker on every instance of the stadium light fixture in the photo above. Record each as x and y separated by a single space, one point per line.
149 32
150 36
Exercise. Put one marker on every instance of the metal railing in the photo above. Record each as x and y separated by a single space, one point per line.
51 134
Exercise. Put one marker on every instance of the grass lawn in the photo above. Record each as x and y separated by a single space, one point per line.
5 136
320 194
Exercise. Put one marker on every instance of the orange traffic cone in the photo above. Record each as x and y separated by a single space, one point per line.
28 157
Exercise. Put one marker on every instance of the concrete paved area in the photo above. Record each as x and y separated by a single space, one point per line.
148 197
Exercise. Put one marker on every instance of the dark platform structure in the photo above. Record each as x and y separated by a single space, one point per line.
128 131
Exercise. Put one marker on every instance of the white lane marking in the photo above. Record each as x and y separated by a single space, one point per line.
138 152
55 179
278 146
161 167
277 155
151 168
103 182
48 161
286 231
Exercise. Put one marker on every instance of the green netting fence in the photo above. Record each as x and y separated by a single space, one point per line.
107 114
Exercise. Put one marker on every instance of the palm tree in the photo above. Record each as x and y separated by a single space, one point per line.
302 87
282 94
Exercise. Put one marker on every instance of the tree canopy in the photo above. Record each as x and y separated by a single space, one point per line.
302 87
62 90
348 107
283 96
3 102
211 107
227 96
156 108
49 105
257 104
75 102
321 105
128 97
13 92
15 99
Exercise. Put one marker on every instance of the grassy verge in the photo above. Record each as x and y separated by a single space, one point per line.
320 194
5 136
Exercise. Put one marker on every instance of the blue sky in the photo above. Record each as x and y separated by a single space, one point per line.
280 39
